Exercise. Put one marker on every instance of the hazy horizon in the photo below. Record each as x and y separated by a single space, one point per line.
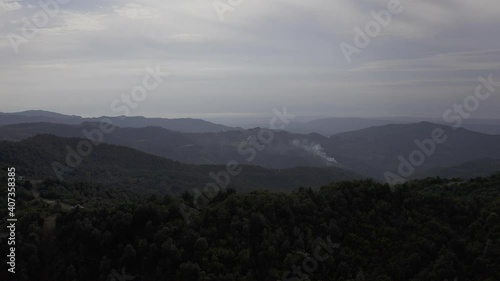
260 56
346 140
262 119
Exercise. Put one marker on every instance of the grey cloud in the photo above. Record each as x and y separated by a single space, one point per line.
265 54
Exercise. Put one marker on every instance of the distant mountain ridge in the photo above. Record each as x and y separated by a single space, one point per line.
195 148
335 125
370 152
41 113
374 151
324 126
188 125
120 166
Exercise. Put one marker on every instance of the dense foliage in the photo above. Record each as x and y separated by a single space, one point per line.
430 229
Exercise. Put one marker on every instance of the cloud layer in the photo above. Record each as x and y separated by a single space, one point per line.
262 55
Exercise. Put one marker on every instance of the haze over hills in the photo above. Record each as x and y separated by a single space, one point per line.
370 152
467 170
195 148
232 140
118 166
376 150
335 125
331 126
181 124
486 126
324 126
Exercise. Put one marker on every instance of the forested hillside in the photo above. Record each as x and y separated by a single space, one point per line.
118 166
370 152
424 230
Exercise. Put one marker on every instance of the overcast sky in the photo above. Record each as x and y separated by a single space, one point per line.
264 54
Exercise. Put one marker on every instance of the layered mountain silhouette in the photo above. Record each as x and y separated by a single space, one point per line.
195 148
370 152
374 151
331 126
336 125
182 124
324 126
119 166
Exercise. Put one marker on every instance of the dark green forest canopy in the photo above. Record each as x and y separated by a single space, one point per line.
430 229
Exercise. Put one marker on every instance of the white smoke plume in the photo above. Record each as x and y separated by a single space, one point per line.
313 148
